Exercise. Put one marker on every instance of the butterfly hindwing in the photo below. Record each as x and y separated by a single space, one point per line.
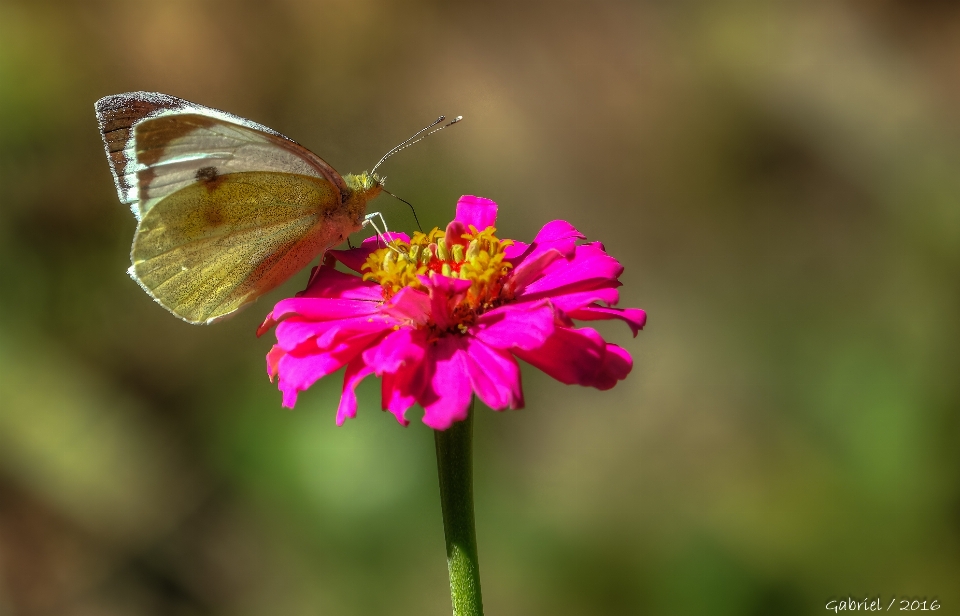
213 246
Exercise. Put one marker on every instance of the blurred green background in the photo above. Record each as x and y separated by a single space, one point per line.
779 179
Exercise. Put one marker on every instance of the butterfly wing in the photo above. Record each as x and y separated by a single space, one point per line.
215 245
227 209
156 144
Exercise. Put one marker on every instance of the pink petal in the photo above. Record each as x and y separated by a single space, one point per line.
301 369
557 230
345 329
531 269
444 292
356 372
633 317
354 258
616 365
318 309
400 392
289 394
332 295
515 250
295 331
572 301
590 268
273 359
578 356
375 242
402 389
455 233
523 326
400 348
298 373
557 235
446 398
328 282
409 305
476 211
494 376
398 360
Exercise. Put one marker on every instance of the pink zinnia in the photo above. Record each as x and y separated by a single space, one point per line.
446 314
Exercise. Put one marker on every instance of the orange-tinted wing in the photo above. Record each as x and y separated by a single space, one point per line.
219 243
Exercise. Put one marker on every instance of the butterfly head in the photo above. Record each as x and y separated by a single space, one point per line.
364 183
361 188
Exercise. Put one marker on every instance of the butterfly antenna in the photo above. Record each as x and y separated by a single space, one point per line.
412 209
414 139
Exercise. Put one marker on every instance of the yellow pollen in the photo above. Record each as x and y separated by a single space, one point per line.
480 259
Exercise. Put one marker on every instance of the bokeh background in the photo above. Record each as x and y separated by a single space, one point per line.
779 179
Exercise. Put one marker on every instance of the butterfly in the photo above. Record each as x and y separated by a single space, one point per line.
227 209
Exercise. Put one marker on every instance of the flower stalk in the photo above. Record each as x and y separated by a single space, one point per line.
455 468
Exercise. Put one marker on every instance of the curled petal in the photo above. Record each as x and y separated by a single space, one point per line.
572 301
616 365
633 317
476 211
577 357
273 360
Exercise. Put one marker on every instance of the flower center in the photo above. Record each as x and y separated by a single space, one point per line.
478 256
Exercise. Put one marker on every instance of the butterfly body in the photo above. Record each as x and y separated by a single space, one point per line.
226 209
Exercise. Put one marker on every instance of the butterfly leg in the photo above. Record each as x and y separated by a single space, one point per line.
369 220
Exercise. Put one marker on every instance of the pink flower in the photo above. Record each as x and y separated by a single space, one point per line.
445 315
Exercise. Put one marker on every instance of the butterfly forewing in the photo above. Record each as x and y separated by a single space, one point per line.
171 150
218 243
156 142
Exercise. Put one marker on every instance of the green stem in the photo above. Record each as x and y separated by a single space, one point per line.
455 466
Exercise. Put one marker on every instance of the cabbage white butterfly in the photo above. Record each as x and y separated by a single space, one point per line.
227 209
